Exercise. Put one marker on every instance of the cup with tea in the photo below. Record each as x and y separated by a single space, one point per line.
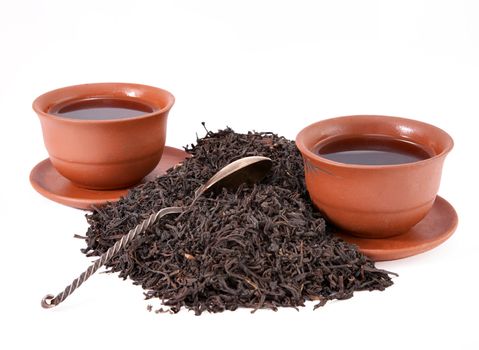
373 176
107 135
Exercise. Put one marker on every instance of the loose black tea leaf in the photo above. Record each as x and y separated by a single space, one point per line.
257 247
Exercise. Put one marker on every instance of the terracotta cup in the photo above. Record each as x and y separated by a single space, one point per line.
374 201
107 153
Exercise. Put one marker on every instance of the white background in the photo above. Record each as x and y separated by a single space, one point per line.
275 66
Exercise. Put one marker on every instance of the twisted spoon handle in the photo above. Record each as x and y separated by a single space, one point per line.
50 300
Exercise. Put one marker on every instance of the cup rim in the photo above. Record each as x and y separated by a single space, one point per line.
306 151
37 103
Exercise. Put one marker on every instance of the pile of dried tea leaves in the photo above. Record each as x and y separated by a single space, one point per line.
257 247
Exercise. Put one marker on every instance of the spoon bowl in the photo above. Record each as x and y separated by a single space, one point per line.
247 170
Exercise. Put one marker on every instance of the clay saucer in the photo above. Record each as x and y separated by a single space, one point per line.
49 183
438 225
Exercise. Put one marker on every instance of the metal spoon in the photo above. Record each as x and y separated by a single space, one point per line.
245 170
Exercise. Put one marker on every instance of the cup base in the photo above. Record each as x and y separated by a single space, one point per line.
109 176
437 226
52 185
375 225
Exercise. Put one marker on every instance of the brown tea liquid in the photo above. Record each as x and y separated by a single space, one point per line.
372 150
101 109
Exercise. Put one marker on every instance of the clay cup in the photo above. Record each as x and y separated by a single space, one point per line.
107 153
374 201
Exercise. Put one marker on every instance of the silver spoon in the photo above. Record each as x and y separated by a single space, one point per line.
245 170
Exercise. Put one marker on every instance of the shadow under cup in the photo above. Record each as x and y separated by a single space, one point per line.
105 154
374 201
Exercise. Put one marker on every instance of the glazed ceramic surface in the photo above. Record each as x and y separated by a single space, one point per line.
374 200
52 185
105 154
